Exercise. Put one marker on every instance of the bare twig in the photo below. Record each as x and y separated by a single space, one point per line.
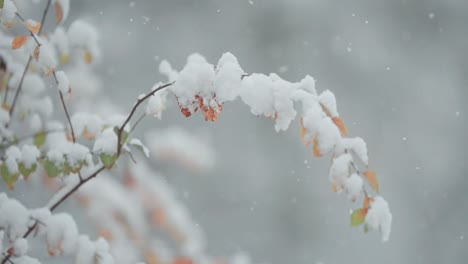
132 112
44 15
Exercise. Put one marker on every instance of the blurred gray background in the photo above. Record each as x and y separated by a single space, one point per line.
399 72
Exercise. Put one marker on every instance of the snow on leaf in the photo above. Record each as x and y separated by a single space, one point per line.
50 168
25 171
371 178
39 139
139 145
358 216
33 26
7 177
19 41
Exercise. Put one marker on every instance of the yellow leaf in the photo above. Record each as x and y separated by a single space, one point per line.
6 107
88 58
340 124
334 187
58 12
33 26
371 178
316 149
18 42
64 58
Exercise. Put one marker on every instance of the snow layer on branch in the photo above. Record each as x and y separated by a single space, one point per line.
106 142
60 40
179 145
33 84
88 125
8 12
379 217
358 146
339 170
61 234
328 135
256 92
328 100
29 154
228 78
354 186
13 157
20 247
14 218
88 251
82 34
46 59
157 103
63 83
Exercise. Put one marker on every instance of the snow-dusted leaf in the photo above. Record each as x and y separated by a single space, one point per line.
33 26
25 171
139 145
51 169
8 177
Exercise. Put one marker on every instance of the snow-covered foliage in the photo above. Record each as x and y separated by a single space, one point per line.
126 203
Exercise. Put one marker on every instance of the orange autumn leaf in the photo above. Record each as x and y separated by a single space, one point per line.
334 187
340 124
151 257
316 149
325 109
58 12
33 26
371 178
367 201
181 260
303 130
36 53
18 42
6 107
106 234
158 216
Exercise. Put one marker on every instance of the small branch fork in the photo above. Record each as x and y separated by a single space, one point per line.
99 170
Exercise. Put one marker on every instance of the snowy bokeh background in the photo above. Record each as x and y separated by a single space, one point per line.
398 70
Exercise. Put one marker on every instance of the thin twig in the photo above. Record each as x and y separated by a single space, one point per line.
136 123
32 34
44 15
132 112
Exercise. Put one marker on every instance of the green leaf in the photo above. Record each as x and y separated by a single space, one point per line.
39 139
124 136
137 144
358 216
26 172
366 229
7 177
51 169
1 4
131 156
108 160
